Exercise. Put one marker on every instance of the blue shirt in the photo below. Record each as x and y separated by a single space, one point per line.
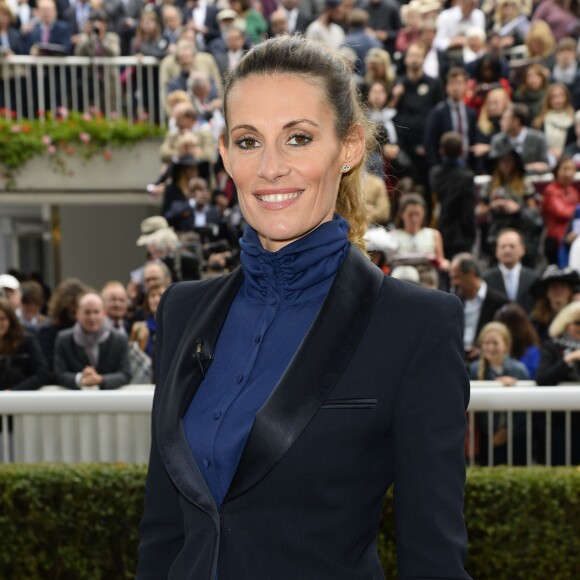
279 298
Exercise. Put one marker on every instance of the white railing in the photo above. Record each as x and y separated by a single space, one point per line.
73 426
116 86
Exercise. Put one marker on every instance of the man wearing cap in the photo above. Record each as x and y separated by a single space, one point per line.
170 257
384 21
510 277
11 288
90 354
325 28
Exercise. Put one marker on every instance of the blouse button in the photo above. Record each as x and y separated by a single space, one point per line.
207 462
217 415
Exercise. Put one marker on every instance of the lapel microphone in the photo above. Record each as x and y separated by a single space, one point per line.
204 360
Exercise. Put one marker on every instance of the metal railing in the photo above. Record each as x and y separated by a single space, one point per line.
72 426
116 86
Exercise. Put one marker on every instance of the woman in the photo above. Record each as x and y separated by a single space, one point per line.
379 67
149 39
541 44
510 203
533 90
560 15
525 340
560 363
555 118
274 443
487 75
553 291
415 242
509 22
22 366
252 21
558 206
495 364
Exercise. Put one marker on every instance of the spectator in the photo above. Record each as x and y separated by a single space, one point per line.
10 39
32 303
552 292
510 203
379 68
62 311
540 43
412 19
560 363
474 47
90 355
496 364
50 36
435 64
450 115
530 144
176 262
525 339
11 288
487 75
149 41
560 15
203 15
278 23
172 22
452 184
359 39
533 89
566 69
184 57
453 24
480 302
510 23
235 42
558 206
573 149
22 366
384 21
510 276
325 28
116 303
413 94
298 19
251 20
124 17
377 199
556 118
77 16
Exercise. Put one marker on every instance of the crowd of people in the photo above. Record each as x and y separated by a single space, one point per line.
472 188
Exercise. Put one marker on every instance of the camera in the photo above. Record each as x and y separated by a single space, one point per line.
96 29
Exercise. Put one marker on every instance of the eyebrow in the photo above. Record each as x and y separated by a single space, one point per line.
288 125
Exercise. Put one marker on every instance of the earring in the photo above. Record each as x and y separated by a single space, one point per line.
345 168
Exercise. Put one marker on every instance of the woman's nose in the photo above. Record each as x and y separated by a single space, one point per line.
272 164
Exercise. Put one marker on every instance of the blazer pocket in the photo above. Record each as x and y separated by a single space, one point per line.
349 404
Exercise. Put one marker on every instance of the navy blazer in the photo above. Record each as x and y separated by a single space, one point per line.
60 33
375 395
524 298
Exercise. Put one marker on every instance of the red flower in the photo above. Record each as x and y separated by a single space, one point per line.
69 150
107 155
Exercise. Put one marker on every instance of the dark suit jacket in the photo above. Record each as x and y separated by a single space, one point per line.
15 39
534 149
60 34
376 394
70 359
528 276
494 300
439 121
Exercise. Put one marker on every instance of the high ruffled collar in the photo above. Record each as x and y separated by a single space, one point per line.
301 269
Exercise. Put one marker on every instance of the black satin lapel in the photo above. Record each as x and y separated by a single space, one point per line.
181 384
313 372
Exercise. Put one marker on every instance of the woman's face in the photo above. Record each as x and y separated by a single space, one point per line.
573 329
559 295
493 347
495 104
147 24
4 324
376 69
534 80
506 165
284 156
566 172
154 299
413 217
508 11
557 99
377 96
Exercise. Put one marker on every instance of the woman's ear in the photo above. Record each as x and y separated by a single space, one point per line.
353 148
224 153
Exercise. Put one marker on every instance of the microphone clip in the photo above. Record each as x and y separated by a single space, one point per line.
204 360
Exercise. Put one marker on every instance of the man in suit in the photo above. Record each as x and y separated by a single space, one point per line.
480 301
510 277
298 20
116 303
49 30
515 134
450 115
91 355
205 23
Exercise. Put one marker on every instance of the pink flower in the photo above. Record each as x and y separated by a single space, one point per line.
46 140
87 117
62 112
114 115
15 129
51 149
84 137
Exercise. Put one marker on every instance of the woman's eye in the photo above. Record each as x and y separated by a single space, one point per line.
247 143
299 140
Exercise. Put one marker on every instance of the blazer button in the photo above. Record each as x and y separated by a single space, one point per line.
217 415
207 462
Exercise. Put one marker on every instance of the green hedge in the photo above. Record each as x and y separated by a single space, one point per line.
81 522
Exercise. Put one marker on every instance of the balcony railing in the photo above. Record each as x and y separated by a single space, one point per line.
117 86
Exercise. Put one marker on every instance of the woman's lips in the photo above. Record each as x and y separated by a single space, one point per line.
277 198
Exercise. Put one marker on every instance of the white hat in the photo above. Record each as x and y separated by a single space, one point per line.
406 273
9 281
150 226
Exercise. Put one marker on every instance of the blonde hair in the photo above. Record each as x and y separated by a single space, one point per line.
539 120
568 314
540 31
484 123
506 336
384 57
295 55
176 97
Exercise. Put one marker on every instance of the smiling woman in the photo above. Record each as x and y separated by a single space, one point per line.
316 382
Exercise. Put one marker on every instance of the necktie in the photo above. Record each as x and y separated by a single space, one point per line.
511 289
45 34
459 120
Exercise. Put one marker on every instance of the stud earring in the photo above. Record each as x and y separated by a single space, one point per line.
345 168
